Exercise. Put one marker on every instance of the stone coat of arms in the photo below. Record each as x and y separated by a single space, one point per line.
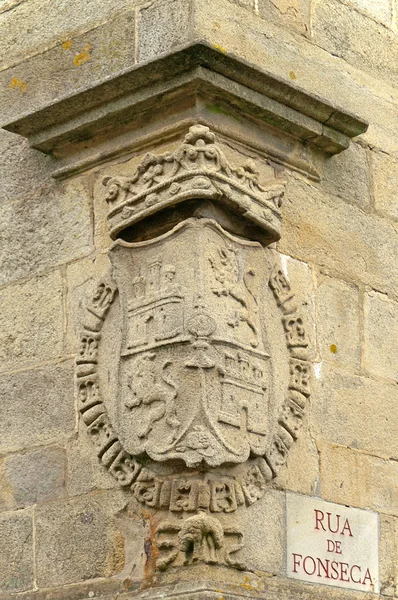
200 382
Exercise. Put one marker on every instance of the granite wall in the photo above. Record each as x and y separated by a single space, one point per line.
64 532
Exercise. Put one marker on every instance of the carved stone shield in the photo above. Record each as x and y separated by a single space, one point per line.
195 374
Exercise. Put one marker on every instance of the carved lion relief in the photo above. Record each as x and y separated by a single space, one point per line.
196 404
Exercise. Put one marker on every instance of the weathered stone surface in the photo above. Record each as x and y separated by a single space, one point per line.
270 536
338 322
388 555
85 473
346 413
243 34
21 168
378 9
250 4
245 585
341 238
37 407
7 501
345 33
35 477
102 589
356 479
44 228
381 336
301 473
77 61
31 321
16 552
347 175
385 183
329 229
78 540
163 26
293 14
61 24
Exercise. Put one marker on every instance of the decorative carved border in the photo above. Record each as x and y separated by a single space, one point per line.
210 492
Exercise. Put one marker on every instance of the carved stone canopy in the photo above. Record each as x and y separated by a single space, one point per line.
199 170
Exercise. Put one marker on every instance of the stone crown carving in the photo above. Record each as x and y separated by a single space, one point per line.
198 169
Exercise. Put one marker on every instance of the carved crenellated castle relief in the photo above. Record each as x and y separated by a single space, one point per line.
212 375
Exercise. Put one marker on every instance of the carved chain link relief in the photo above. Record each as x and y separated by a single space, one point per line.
196 374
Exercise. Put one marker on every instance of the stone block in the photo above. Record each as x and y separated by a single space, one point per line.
232 29
103 589
388 555
79 540
25 32
381 10
163 26
85 471
340 238
301 472
37 407
347 175
16 552
44 228
338 322
293 14
381 336
345 412
345 33
21 167
31 322
357 479
270 536
36 477
7 501
385 183
76 61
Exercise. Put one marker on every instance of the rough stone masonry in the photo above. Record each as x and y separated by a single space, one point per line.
198 299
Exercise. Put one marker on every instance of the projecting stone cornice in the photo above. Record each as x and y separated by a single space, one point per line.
197 83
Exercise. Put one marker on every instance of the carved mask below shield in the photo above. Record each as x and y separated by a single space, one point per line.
211 363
